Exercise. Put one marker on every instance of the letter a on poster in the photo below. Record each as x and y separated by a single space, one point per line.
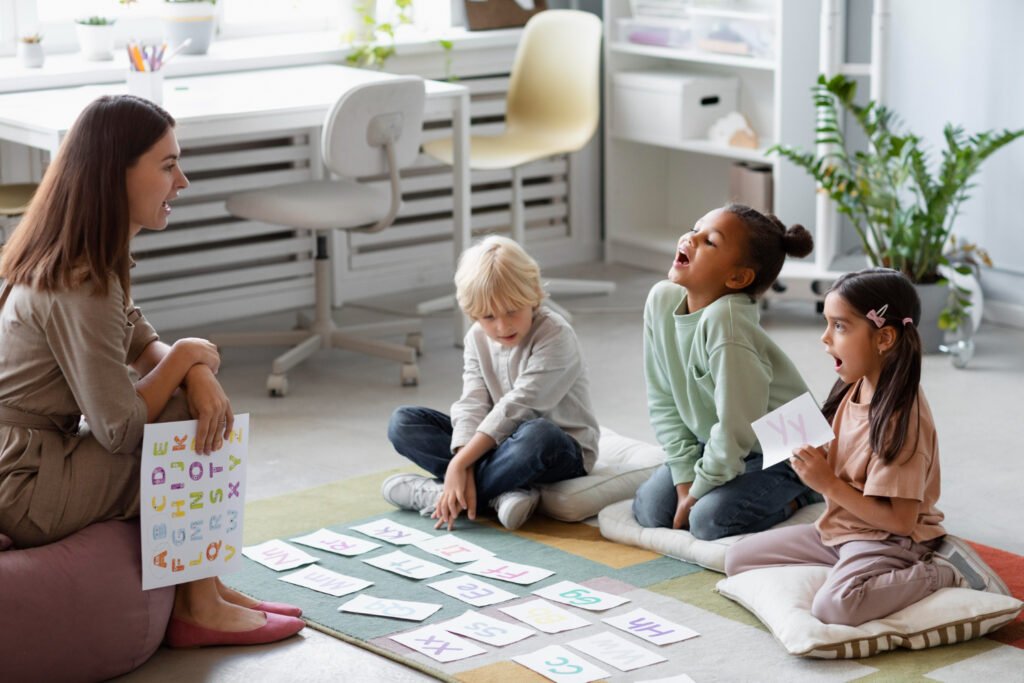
191 504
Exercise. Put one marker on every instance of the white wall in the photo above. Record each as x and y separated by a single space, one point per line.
963 62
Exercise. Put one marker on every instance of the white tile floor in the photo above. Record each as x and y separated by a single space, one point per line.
339 398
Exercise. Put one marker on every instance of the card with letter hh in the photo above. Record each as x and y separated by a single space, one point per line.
333 542
486 629
392 532
650 627
326 581
454 549
436 643
406 565
617 651
278 555
390 608
569 593
789 426
561 666
493 568
544 616
191 504
473 591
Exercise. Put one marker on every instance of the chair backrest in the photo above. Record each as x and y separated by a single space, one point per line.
555 83
364 117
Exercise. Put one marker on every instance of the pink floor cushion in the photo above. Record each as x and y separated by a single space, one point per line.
75 610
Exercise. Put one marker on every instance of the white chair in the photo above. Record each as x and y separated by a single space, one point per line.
553 107
373 129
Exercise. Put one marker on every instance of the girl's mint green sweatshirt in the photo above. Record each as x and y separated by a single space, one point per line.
710 374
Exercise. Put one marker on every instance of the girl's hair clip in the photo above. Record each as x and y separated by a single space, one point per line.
878 316
908 321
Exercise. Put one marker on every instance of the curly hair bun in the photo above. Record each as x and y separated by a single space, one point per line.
797 241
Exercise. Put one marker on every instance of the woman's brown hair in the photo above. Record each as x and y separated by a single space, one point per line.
76 229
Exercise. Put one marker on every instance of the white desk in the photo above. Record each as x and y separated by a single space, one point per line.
246 102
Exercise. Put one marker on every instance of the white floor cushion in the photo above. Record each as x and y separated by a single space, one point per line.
618 524
781 598
622 465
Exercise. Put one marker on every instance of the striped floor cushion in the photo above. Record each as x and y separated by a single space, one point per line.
781 598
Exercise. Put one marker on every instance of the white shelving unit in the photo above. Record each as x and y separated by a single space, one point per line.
654 193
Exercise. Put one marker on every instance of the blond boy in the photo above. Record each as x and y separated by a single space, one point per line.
524 417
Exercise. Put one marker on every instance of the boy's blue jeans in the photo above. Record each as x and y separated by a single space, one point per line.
538 452
754 501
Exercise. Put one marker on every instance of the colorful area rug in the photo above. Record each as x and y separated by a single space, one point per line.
733 645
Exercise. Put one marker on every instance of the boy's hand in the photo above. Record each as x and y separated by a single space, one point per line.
684 503
459 494
811 465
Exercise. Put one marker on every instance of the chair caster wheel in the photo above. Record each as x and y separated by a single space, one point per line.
410 375
415 340
277 385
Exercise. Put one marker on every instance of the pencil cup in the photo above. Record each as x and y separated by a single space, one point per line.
147 84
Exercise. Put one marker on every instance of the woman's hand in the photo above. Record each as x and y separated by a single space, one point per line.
684 504
459 494
811 465
199 352
208 404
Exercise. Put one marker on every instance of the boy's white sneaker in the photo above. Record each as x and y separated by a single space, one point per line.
412 492
515 507
970 569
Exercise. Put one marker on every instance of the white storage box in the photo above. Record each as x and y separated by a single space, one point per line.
740 33
658 32
668 107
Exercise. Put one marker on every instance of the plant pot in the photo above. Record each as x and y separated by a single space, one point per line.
355 27
96 41
193 21
933 300
30 55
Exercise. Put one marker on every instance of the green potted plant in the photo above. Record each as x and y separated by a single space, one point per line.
96 37
903 210
30 51
192 20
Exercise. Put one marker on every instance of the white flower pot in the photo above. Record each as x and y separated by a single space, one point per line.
96 42
354 27
30 55
195 21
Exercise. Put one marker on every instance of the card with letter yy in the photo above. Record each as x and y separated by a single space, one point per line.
789 426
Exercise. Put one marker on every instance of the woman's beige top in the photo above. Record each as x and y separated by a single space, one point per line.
64 355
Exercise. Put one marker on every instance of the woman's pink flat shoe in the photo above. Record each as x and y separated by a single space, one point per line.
278 608
278 627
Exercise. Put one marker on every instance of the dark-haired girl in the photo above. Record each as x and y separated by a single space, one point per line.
881 532
711 371
69 333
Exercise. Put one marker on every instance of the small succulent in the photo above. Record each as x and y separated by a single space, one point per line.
32 38
96 21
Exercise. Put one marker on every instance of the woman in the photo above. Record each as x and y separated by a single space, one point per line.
69 332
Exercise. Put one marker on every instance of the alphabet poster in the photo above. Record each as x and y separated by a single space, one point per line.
191 504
